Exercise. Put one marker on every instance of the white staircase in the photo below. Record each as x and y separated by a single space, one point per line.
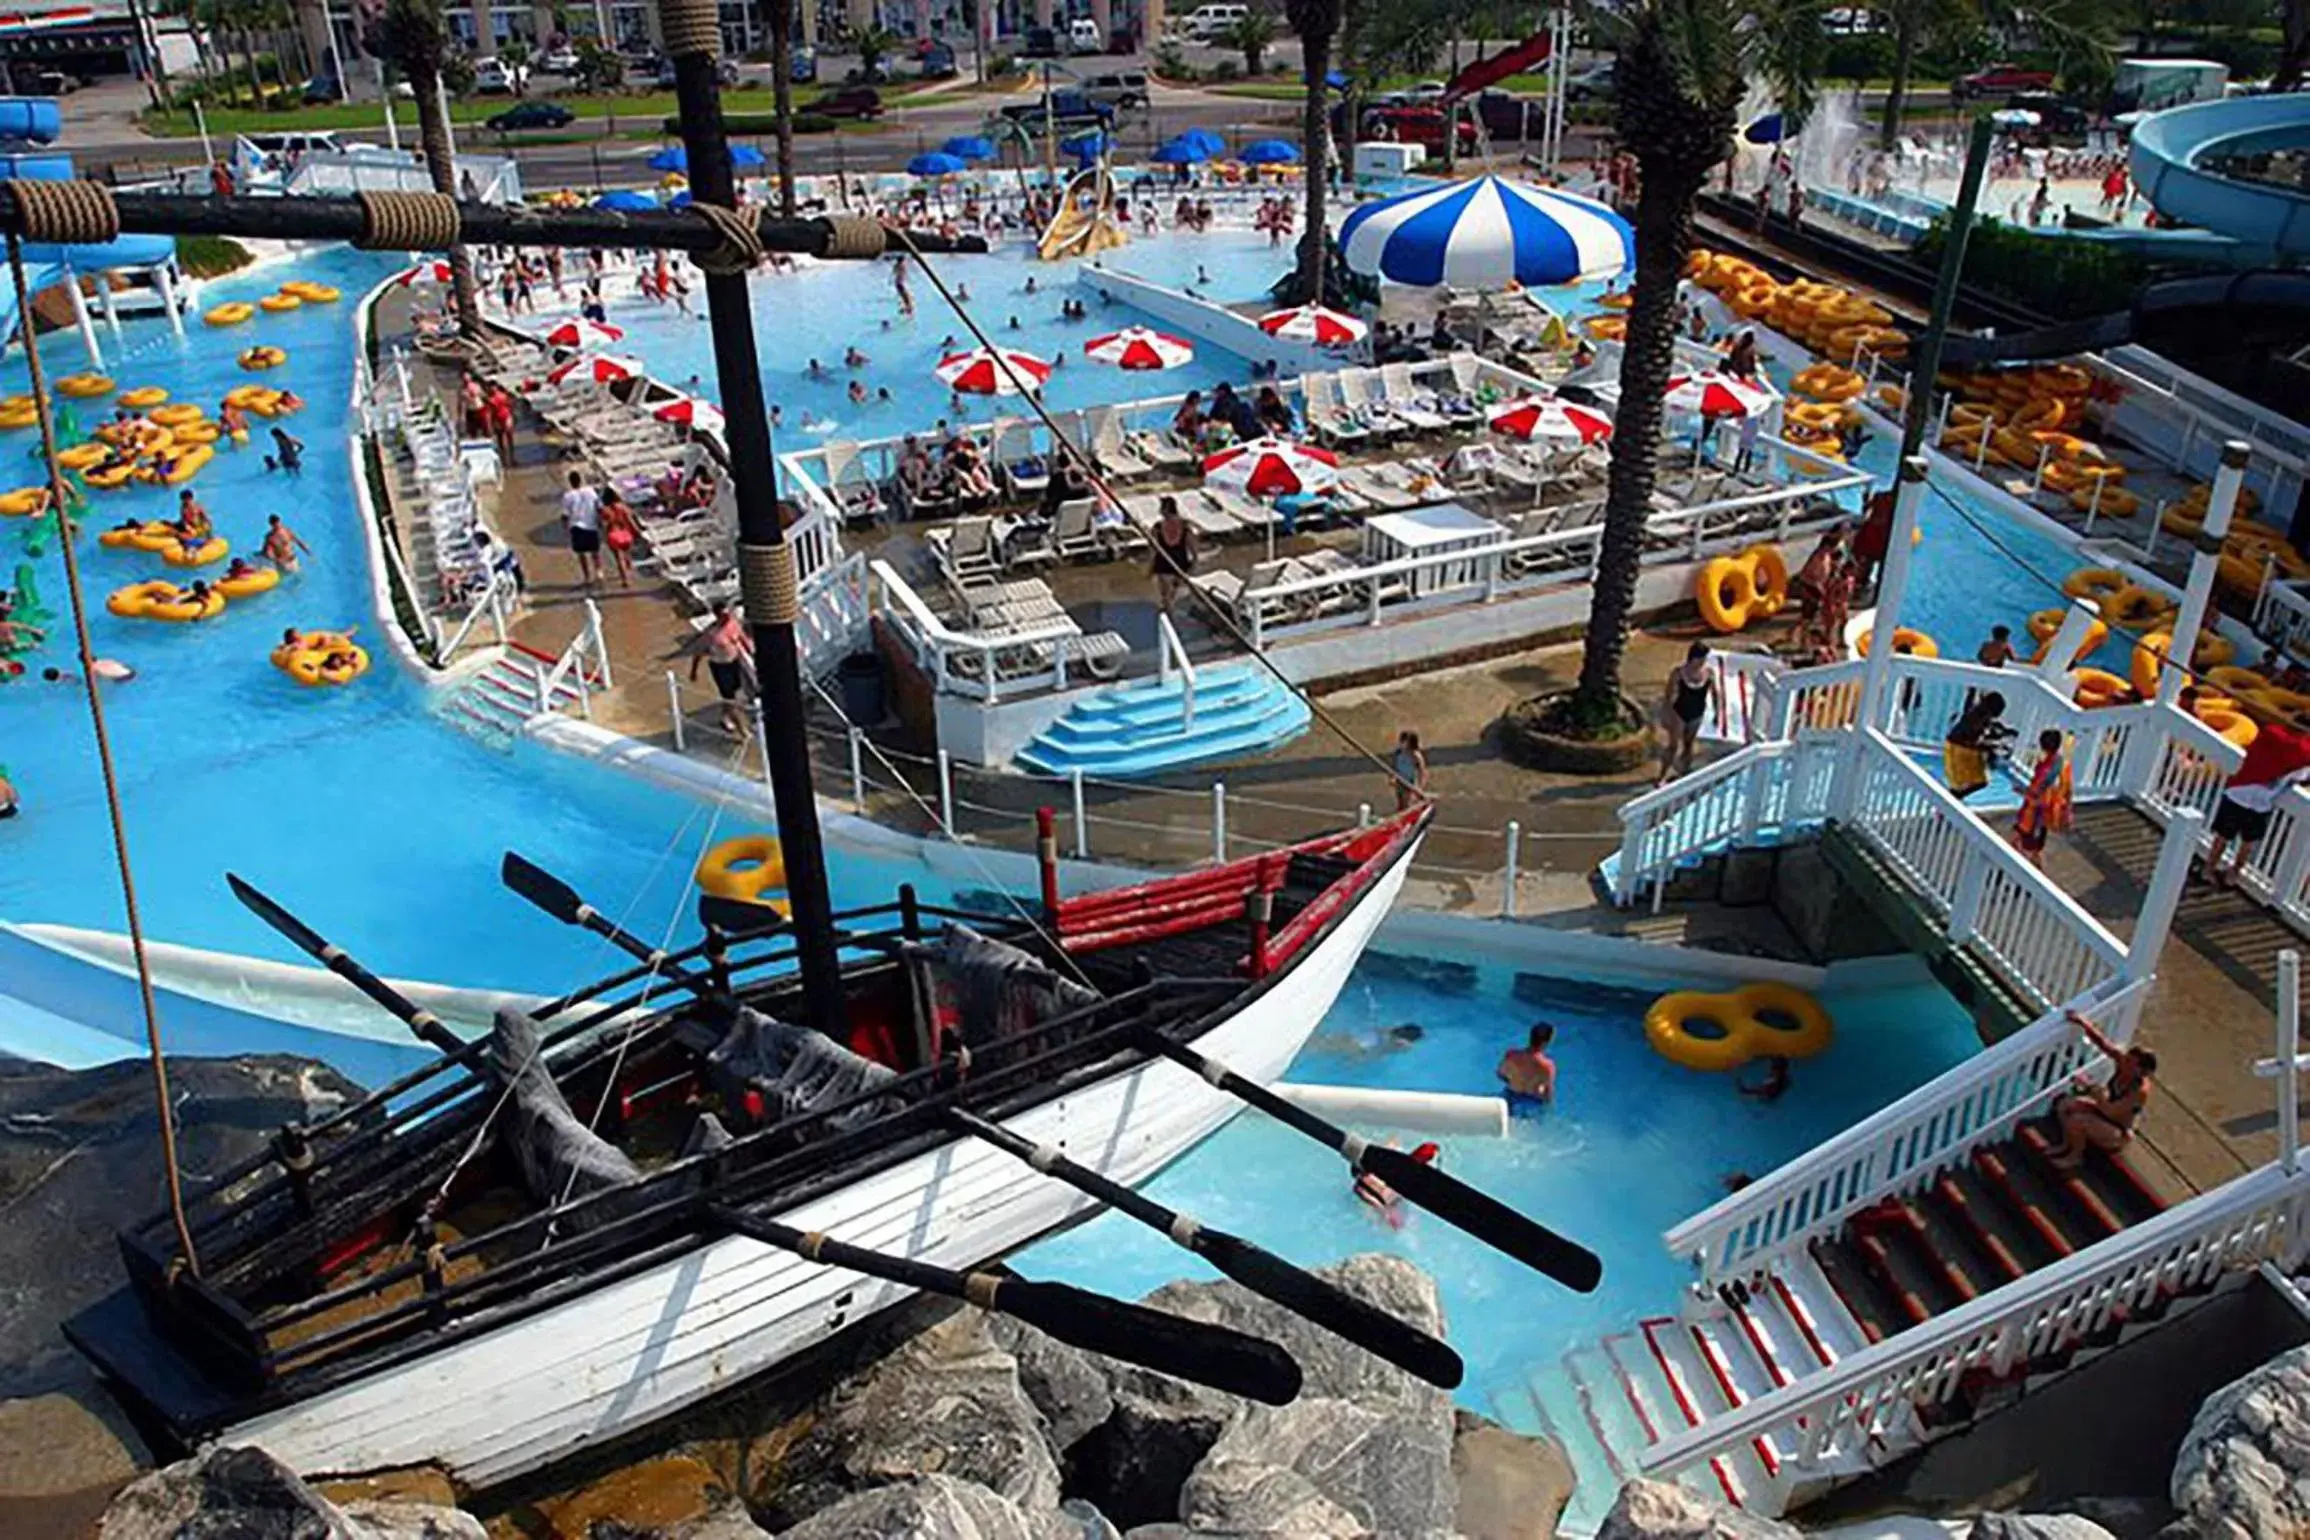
517 682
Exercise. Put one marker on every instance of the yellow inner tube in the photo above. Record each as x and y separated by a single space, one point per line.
248 585
143 396
311 293
152 535
85 386
1717 1032
311 667
230 315
1726 593
182 415
2098 687
23 502
80 456
2095 583
214 549
275 303
263 358
1769 576
2234 726
747 868
1919 644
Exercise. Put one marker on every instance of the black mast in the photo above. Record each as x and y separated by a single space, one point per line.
765 560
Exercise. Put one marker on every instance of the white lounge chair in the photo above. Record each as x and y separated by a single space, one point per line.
965 550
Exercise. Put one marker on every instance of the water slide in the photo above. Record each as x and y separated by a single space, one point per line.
1527 55
26 123
2169 159
1085 224
2262 292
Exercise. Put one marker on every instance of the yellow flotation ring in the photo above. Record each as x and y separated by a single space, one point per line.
746 868
257 580
19 416
230 315
260 399
198 433
2044 625
2096 583
2113 500
273 304
85 386
151 535
2234 726
1719 1032
132 601
1606 328
1725 591
143 396
1918 644
182 415
1769 576
214 549
181 606
186 465
24 502
81 456
110 476
2134 606
263 357
311 293
2098 687
310 664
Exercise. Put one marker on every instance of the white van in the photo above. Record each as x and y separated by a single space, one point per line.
1210 21
1083 36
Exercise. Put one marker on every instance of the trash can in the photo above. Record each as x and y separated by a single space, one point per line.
858 680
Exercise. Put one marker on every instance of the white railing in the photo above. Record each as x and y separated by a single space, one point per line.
999 661
497 594
836 616
569 670
1170 655
1764 788
1903 1146
2041 942
1829 1419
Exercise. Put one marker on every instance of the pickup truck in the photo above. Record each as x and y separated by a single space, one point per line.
1069 111
2000 80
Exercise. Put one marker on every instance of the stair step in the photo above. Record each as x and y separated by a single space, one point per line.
1865 1301
1578 1417
1078 737
1226 735
2070 1184
1605 1406
1814 1307
1676 1366
2009 1247
2024 1192
1101 714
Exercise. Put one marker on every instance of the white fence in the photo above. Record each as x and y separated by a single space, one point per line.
1746 798
980 665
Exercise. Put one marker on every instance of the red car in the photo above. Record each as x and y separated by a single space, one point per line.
1423 126
2000 80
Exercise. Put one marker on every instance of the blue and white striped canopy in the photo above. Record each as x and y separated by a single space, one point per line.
1484 232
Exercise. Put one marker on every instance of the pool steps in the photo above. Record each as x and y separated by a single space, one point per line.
495 700
1142 729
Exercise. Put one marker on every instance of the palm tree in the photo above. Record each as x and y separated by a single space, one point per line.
1317 23
1252 32
781 17
1682 69
411 33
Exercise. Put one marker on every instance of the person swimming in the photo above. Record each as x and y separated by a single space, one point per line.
1380 1197
1528 1074
1358 1045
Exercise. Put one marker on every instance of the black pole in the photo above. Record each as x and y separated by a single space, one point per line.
765 563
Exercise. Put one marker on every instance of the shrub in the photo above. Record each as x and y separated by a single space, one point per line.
2064 279
210 256
1226 69
814 123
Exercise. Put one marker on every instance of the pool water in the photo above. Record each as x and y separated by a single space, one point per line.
1633 1146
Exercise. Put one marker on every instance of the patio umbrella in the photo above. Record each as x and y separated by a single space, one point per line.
1269 152
1208 139
690 412
626 200
1486 233
1713 393
1273 467
1090 140
744 157
1313 323
992 372
970 147
601 368
672 158
582 333
1768 129
425 272
1179 152
1551 417
1140 347
935 164
2015 117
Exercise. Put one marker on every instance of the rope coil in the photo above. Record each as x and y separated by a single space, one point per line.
741 244
407 221
850 235
690 27
766 577
67 213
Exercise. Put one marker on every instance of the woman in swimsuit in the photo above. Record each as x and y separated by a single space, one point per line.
619 531
1174 540
1693 687
2103 1117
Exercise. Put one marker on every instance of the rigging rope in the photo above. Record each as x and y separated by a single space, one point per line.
78 217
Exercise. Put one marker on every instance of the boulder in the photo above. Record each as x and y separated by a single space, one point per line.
1662 1510
1511 1486
932 1508
2037 1526
80 1159
948 1403
1389 1468
1132 1466
1246 1497
644 1500
1066 1385
2243 1471
249 1495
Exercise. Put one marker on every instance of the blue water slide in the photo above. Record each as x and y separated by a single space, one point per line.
2168 161
35 120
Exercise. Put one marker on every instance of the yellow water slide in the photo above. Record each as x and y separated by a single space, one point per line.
1085 224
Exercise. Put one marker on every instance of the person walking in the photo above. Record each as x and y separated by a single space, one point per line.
619 532
2046 800
1693 688
1174 541
581 519
2277 760
1410 770
727 650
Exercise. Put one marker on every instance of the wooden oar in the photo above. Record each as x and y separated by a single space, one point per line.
1441 1194
1257 1269
1217 1356
419 1020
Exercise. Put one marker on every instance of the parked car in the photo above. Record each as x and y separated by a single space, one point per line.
861 102
495 77
1069 111
322 89
1422 126
537 114
938 63
2056 114
1213 21
558 61
1999 80
725 73
1122 92
1083 36
1590 83
1505 114
1040 43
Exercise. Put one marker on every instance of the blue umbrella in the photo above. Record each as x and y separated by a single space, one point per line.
1765 130
744 157
1180 152
1092 139
680 200
969 147
1210 142
1484 232
626 201
935 164
1270 152
1336 80
672 158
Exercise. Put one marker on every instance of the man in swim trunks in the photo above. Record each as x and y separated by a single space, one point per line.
193 525
727 650
2103 1116
1529 1074
282 545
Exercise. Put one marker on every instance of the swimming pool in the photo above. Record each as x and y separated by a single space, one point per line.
1633 1146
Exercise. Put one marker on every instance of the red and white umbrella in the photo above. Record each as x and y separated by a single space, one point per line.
1713 393
993 372
1272 467
1313 323
601 368
582 333
1140 347
690 412
1550 417
425 272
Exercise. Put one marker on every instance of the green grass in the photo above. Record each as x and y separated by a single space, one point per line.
640 105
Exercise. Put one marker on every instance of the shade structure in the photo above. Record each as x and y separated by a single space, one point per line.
1273 467
993 372
1091 139
1269 152
425 272
969 147
601 368
1140 347
690 412
1485 233
1313 323
1181 152
936 163
1713 393
582 333
1551 417
626 200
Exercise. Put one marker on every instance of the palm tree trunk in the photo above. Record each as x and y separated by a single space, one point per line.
782 96
433 134
1647 360
249 57
2294 49
1315 136
1897 91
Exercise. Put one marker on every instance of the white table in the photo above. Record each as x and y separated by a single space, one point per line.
1432 532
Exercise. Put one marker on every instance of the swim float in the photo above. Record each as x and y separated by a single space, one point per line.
1917 643
1731 591
24 502
151 535
309 662
1724 1031
2098 687
163 600
143 396
273 304
257 580
263 357
214 549
85 386
230 315
182 415
746 868
310 292
81 456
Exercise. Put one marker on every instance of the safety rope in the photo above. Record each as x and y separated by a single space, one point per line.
690 27
75 220
741 244
407 221
67 213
